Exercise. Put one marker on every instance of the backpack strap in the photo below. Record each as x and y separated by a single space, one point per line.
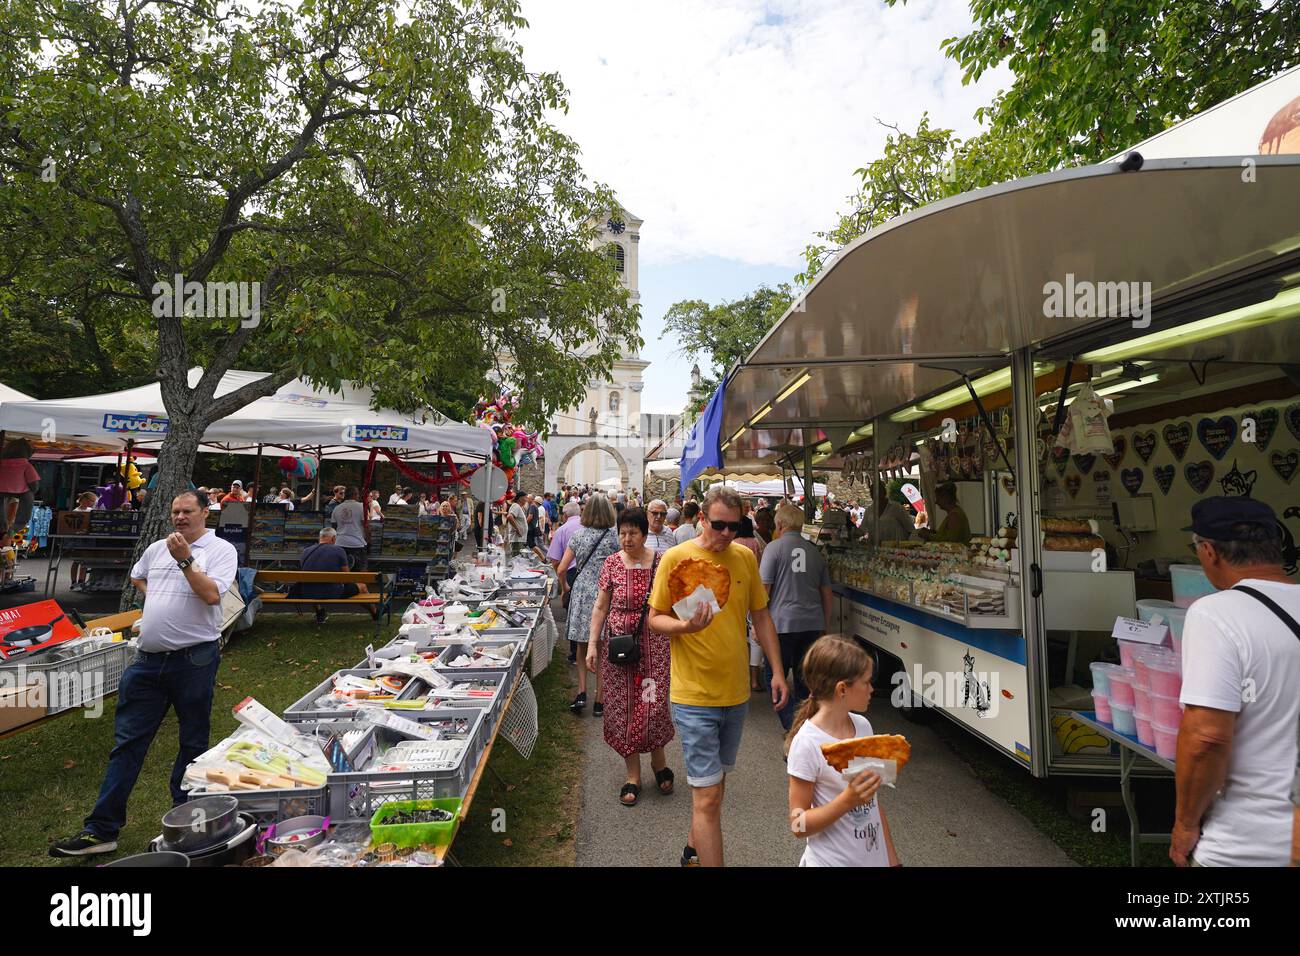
1273 606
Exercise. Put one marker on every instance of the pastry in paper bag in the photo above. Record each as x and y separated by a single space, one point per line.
885 754
693 582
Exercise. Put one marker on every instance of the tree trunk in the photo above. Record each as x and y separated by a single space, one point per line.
175 465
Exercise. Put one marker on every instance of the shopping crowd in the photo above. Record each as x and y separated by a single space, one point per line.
653 667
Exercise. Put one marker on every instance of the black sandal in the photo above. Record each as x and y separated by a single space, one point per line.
631 788
579 704
664 776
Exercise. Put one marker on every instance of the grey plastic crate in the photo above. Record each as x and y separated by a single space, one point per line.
452 651
74 676
305 708
491 706
356 795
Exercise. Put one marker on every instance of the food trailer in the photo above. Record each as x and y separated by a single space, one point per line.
949 347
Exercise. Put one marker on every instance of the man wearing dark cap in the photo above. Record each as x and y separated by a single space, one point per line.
1236 755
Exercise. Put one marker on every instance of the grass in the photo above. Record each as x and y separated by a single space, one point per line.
1043 802
50 776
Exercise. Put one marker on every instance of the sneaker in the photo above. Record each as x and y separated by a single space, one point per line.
321 615
84 843
598 709
690 857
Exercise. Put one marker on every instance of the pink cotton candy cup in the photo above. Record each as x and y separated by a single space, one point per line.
1166 710
1127 652
1122 718
1101 704
1145 734
1166 740
1121 687
1141 703
1166 676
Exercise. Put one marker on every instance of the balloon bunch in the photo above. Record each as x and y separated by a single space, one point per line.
512 445
299 466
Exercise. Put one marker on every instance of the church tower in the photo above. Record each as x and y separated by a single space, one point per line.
600 441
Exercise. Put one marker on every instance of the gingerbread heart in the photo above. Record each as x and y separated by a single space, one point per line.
1084 463
1060 459
1217 435
1144 443
1072 484
1164 477
1266 422
1292 417
1009 485
1120 447
1199 475
1131 479
1285 464
1178 438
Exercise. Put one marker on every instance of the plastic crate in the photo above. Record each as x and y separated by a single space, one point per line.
452 651
415 834
305 709
79 680
492 707
357 795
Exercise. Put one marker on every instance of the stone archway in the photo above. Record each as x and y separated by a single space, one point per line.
594 446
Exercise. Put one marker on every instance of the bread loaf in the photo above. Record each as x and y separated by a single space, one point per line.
1066 526
1073 542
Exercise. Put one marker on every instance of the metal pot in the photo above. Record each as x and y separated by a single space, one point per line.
163 858
200 824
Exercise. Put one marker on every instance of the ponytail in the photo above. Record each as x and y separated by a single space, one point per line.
809 707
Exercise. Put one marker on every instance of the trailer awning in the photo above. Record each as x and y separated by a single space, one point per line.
960 284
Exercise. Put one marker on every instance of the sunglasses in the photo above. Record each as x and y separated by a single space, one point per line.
732 526
659 514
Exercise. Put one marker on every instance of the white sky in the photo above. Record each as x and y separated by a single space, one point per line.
733 127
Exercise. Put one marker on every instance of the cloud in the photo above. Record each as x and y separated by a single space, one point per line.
733 126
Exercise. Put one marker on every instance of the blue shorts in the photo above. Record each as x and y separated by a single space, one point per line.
710 740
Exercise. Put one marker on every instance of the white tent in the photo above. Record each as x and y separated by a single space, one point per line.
296 416
771 489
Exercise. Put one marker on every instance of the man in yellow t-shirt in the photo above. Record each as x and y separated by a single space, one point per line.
709 684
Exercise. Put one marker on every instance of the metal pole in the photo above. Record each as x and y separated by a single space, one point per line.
320 460
809 505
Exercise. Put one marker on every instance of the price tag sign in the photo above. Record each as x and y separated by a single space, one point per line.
1141 632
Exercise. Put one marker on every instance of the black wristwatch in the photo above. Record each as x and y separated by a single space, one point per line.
185 563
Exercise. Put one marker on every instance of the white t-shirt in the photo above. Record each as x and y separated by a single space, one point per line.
347 518
174 616
685 532
858 837
1239 656
395 499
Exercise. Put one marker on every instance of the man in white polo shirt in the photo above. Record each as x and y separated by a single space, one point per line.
182 578
1236 753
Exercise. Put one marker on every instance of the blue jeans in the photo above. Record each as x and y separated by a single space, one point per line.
794 645
710 740
183 679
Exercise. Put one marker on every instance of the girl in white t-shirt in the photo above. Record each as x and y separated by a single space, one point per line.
843 823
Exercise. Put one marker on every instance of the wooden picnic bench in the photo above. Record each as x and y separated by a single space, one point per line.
376 601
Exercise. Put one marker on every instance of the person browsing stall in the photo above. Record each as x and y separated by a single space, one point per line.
182 578
325 555
709 676
1236 756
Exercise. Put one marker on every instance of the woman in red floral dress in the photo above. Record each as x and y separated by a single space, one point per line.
637 715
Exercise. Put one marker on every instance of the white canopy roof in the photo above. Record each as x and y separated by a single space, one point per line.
297 415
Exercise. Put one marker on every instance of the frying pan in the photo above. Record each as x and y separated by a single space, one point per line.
26 637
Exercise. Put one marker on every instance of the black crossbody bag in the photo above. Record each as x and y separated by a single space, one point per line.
625 649
1273 606
571 575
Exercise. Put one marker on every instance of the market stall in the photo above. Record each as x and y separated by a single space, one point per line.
299 420
1167 339
379 764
